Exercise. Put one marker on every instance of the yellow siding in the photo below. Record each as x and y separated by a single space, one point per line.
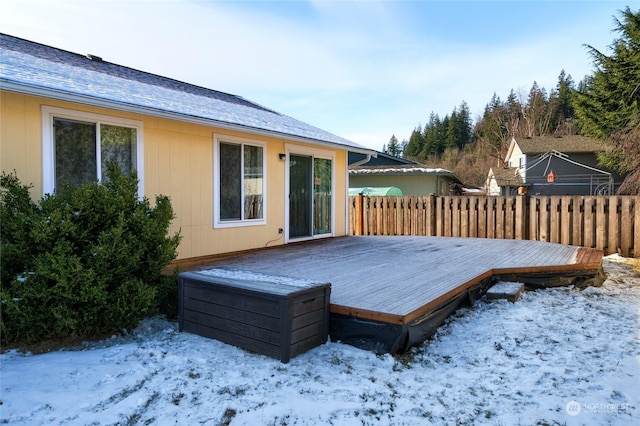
178 162
21 139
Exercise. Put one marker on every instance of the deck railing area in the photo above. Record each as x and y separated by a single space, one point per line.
608 223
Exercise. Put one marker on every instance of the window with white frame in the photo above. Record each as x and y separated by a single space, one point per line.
239 181
78 146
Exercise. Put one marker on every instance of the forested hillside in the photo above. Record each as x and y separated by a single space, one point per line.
605 105
469 148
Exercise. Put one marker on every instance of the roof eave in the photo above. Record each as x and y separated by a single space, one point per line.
364 172
121 106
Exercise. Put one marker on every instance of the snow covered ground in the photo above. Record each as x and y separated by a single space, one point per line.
558 356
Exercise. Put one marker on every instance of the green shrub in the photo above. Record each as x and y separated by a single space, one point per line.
83 262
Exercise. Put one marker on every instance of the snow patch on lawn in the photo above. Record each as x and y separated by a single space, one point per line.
556 356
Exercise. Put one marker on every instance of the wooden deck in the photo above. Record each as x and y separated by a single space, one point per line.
401 281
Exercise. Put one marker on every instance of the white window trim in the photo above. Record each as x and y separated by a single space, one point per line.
48 158
314 153
217 223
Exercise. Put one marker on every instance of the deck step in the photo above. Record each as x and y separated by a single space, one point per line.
505 290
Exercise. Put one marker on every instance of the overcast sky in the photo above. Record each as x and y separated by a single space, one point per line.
363 70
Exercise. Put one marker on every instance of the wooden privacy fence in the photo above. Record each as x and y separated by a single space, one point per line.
609 223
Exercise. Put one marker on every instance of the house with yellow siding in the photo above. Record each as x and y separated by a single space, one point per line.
239 175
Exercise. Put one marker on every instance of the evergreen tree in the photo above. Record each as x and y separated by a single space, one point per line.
564 113
403 148
464 126
449 131
489 128
607 105
535 112
394 147
433 143
415 145
513 120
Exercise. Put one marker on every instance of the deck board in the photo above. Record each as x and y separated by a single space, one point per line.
397 277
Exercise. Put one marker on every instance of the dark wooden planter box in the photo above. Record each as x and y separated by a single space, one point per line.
275 316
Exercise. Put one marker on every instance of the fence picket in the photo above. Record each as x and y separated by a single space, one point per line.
613 225
482 217
407 219
636 228
545 223
601 222
447 217
464 216
626 216
500 216
520 216
473 217
555 221
439 227
577 220
589 222
491 217
456 222
534 219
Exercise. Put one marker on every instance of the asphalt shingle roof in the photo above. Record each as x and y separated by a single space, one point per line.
507 176
36 68
565 144
401 170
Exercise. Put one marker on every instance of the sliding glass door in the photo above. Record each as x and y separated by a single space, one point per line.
300 196
310 196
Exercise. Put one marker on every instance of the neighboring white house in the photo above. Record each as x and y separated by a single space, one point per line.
548 165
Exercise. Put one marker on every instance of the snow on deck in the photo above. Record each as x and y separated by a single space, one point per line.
397 276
